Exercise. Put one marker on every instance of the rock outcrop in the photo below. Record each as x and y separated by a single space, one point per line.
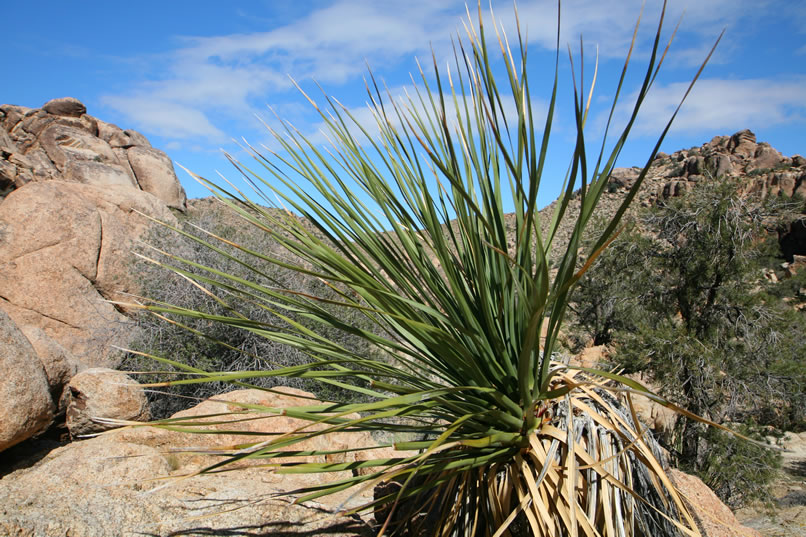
60 141
757 167
111 484
762 169
69 204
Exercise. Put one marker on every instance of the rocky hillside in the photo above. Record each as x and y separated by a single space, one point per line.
71 187
758 167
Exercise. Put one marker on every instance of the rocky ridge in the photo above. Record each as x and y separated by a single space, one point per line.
758 167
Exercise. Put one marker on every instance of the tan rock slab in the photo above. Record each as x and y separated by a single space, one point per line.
98 173
115 484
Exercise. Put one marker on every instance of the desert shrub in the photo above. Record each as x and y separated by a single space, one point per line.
213 346
684 300
606 300
738 472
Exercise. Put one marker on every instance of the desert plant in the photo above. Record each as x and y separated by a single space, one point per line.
513 440
607 297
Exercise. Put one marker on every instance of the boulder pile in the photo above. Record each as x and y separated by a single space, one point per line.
757 167
71 188
61 142
763 169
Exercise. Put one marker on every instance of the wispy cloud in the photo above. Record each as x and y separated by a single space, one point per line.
723 105
230 73
610 25
167 118
197 88
409 106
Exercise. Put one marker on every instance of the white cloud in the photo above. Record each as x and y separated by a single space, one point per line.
723 105
331 43
610 24
164 117
211 76
200 86
408 102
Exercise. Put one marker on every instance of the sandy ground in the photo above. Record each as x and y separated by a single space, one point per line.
788 518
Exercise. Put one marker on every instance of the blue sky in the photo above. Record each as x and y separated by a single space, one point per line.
191 76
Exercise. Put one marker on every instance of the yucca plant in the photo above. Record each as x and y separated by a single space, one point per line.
405 221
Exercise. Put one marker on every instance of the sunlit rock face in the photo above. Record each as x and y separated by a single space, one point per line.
71 188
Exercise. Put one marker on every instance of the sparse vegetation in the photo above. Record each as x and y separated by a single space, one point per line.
211 346
684 300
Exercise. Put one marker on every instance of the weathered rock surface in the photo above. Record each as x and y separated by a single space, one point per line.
65 106
69 204
713 517
97 173
65 144
25 403
108 485
152 170
656 416
591 356
60 141
103 393
61 243
60 365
